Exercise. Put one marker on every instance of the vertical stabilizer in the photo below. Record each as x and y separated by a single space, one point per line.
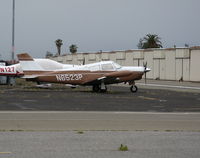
27 63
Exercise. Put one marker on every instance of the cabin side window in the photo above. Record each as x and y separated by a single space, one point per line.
94 68
107 67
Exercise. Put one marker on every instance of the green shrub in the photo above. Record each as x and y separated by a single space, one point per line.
80 132
123 148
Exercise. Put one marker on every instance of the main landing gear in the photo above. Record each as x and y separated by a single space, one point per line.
99 88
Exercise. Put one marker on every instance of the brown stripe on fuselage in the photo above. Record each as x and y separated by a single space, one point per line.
86 76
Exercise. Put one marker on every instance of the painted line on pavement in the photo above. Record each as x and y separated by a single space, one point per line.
96 112
168 86
5 152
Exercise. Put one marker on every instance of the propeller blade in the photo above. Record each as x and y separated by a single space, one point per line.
145 65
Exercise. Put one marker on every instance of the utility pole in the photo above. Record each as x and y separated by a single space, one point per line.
13 31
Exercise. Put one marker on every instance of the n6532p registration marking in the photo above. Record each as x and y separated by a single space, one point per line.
69 77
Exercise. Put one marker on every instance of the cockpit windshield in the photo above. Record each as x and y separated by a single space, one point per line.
117 66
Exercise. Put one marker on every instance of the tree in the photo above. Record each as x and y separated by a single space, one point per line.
58 45
73 48
150 41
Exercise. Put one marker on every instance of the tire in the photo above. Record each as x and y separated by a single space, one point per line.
96 88
133 89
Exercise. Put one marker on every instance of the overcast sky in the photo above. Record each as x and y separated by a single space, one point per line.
95 25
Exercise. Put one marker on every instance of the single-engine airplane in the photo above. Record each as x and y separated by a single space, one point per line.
97 75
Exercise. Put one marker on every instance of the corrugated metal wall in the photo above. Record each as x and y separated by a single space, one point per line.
166 64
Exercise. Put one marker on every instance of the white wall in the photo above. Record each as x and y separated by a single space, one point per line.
165 64
195 65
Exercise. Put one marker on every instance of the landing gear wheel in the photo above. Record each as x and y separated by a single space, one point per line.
96 88
133 89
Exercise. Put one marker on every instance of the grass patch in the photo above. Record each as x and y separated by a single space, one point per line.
123 148
80 132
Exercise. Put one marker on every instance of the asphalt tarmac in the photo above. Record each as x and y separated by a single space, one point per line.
98 121
99 144
58 122
118 98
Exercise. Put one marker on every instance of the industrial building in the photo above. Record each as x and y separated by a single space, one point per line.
180 64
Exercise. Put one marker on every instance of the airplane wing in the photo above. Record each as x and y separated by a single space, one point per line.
108 77
118 74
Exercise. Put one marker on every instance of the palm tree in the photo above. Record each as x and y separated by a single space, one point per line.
58 45
73 48
150 41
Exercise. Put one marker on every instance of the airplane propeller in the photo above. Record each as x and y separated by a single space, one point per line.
145 71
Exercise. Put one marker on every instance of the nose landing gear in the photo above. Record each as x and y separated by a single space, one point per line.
133 87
